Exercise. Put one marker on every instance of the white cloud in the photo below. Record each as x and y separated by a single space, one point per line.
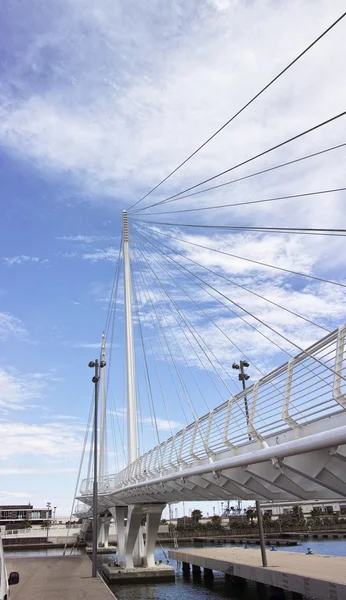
95 256
66 417
58 440
10 325
32 471
10 261
85 239
83 344
162 424
18 389
160 79
12 494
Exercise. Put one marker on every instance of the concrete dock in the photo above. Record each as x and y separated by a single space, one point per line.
157 574
56 578
322 577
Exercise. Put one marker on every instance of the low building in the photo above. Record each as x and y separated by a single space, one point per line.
285 508
16 514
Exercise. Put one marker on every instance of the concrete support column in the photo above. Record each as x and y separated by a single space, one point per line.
196 571
106 527
118 513
85 528
276 593
208 573
101 532
186 569
152 527
134 518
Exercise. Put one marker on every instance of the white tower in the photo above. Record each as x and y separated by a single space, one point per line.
132 444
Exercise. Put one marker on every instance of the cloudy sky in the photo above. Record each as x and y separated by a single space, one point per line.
101 99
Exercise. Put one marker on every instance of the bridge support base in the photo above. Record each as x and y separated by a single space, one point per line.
208 573
131 550
103 537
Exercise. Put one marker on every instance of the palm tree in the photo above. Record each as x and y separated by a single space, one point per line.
27 524
250 515
196 515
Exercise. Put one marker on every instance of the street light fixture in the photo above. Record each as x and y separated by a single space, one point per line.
97 365
243 377
49 504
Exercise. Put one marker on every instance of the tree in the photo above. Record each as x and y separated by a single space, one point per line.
196 515
27 524
250 515
297 515
316 512
267 518
216 521
46 525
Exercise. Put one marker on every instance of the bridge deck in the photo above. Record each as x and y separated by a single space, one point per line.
315 575
56 578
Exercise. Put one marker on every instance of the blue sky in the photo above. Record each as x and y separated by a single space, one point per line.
98 101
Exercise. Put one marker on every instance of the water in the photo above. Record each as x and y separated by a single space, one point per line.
213 590
44 552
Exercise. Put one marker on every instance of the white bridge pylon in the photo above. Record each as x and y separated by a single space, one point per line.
289 443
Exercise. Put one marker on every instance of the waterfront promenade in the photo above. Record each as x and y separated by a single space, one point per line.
319 576
57 578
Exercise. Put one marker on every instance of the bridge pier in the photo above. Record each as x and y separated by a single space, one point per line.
154 513
130 546
132 554
103 534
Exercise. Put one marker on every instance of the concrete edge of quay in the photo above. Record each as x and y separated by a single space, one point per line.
159 573
65 577
240 571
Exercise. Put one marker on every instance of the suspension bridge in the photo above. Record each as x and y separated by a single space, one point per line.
199 296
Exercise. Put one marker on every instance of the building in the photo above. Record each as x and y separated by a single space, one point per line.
284 508
15 514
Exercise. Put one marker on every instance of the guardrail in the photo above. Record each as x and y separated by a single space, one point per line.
309 387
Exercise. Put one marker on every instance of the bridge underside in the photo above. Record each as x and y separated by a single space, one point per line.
305 464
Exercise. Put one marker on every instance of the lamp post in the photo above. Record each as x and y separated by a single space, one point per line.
95 364
243 377
49 504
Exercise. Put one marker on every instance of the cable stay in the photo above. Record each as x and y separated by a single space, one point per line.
255 157
192 330
243 287
147 374
290 230
247 202
187 323
313 373
291 342
206 315
185 318
238 179
268 85
257 262
183 385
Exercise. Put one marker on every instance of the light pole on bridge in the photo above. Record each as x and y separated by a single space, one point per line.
97 365
243 377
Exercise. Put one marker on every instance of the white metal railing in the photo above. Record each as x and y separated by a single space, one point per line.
308 387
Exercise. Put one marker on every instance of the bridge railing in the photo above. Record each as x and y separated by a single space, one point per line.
308 387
